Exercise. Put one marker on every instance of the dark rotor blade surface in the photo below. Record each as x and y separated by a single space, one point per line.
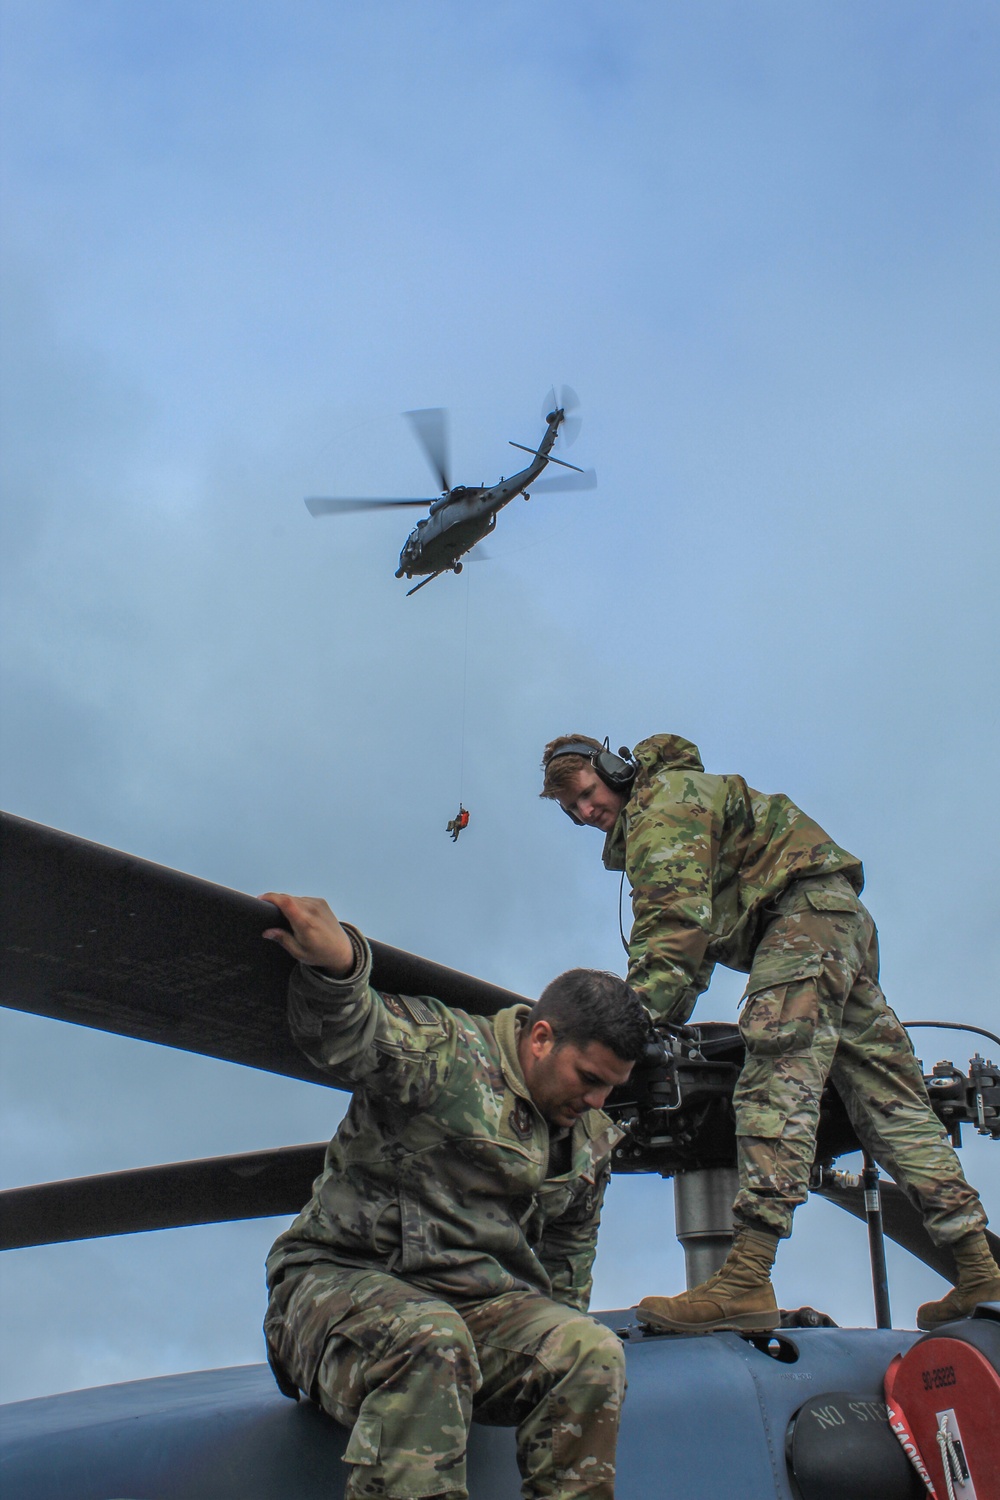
217 1190
586 481
902 1223
430 423
320 506
103 939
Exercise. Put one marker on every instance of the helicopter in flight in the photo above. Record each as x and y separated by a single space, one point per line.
463 515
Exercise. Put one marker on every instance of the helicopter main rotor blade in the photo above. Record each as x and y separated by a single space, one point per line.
215 1190
539 454
430 424
587 481
902 1223
322 506
103 939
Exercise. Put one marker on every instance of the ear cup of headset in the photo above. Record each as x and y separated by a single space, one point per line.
615 771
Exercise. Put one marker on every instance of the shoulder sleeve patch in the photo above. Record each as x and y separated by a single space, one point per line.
410 1006
520 1121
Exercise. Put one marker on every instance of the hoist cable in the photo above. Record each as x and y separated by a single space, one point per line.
465 684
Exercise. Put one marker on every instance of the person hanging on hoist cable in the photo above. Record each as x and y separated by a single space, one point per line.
459 822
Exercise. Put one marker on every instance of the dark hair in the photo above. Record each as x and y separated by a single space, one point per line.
591 1005
561 773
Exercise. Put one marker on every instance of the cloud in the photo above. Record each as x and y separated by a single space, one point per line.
236 249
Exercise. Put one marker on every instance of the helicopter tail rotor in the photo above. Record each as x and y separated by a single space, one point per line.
430 425
568 402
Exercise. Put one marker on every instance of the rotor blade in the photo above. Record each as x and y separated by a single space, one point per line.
424 582
216 1190
569 430
320 506
586 481
538 454
902 1223
550 403
430 423
569 400
100 938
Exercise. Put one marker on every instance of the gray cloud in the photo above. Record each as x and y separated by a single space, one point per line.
238 246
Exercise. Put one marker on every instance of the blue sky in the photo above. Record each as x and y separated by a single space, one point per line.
238 241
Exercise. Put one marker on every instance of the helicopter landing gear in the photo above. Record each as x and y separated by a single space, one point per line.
457 568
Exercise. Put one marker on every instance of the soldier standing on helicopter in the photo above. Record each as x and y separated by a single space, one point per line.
723 874
441 1271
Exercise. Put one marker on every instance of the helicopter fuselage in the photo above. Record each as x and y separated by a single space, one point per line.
462 516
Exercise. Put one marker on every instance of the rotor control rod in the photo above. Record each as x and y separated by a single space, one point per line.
876 1242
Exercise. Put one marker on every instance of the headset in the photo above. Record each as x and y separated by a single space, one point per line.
618 772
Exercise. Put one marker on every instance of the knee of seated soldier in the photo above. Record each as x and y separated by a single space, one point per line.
583 1344
436 1333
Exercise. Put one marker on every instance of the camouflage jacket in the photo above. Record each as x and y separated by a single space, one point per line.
439 1171
704 856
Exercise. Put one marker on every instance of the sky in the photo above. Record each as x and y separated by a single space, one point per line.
239 239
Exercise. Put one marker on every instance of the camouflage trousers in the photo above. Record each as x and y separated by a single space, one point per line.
815 1010
408 1372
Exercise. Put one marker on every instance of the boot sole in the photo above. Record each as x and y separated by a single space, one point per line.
928 1325
758 1322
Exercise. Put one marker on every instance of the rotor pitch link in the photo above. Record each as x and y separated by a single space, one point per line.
539 454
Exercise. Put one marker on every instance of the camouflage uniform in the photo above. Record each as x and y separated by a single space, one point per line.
721 873
442 1269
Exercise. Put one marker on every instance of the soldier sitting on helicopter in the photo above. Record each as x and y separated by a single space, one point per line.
721 873
442 1270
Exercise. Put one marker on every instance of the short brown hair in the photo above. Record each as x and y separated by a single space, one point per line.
592 1005
561 772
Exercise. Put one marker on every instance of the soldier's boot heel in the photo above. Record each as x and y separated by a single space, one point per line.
739 1295
978 1281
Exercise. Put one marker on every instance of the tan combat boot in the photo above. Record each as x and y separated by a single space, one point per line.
739 1295
978 1281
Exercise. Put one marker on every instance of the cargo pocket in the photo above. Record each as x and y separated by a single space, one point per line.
365 1440
763 1121
301 1315
781 1018
840 898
